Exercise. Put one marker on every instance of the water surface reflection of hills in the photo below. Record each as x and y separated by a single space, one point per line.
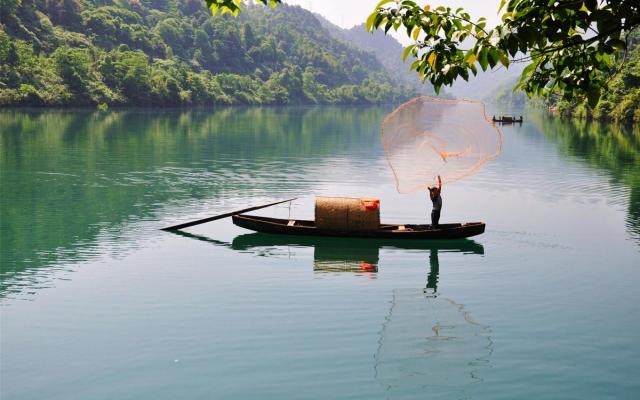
609 147
75 182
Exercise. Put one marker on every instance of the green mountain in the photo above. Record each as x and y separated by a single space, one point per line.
386 49
174 52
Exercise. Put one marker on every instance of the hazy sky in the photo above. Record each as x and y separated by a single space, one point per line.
347 13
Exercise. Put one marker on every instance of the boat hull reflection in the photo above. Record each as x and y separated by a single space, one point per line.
349 245
348 255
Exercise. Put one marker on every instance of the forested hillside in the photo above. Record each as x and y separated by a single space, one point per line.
502 93
621 99
387 49
174 52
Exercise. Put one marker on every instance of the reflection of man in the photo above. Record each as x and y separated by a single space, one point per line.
436 199
432 278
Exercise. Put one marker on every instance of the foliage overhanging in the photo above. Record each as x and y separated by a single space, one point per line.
571 46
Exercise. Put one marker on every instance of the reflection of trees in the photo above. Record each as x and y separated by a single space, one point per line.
67 176
614 148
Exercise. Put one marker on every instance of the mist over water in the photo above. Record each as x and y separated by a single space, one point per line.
97 303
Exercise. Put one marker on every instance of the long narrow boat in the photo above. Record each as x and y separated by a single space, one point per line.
386 231
507 119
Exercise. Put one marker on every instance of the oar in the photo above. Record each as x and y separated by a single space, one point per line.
216 217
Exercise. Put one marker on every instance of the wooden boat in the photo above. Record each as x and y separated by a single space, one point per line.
386 231
507 119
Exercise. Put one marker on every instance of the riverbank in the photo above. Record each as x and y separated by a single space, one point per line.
620 100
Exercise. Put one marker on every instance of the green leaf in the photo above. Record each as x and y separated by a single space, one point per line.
512 45
422 68
379 20
388 26
617 43
470 58
483 59
593 97
406 52
527 71
369 23
383 2
493 57
504 59
416 32
464 73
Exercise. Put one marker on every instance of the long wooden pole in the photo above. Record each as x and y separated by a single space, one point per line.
216 217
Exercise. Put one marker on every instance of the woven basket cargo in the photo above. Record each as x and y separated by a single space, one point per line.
347 214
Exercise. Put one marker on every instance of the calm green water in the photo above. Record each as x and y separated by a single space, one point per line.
97 303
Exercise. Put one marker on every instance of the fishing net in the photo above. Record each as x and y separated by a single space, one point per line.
427 137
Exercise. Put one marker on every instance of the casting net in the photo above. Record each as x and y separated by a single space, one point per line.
427 137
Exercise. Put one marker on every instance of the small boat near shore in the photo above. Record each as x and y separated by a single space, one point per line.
384 231
507 119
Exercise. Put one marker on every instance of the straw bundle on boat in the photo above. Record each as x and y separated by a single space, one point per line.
347 214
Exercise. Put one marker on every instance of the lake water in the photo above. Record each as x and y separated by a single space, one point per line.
97 303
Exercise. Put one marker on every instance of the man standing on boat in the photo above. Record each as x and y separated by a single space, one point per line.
436 199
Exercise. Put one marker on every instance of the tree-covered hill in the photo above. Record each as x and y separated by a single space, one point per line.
387 49
174 52
620 101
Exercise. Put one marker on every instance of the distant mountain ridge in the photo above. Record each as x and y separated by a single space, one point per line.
386 49
174 52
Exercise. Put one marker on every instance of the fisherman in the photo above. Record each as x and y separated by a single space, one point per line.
436 199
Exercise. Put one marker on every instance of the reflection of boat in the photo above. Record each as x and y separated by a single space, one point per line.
351 254
427 341
386 231
332 254
351 245
507 119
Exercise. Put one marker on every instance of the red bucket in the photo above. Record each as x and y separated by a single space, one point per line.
371 204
